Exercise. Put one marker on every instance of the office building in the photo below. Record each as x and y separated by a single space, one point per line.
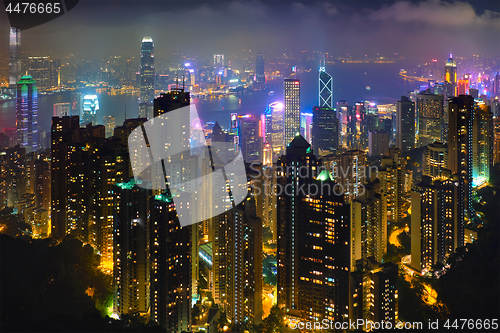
109 123
325 87
378 143
76 104
27 113
435 159
436 227
42 185
306 121
405 124
275 128
429 118
313 239
90 109
14 56
131 245
325 132
147 78
344 116
450 78
292 109
61 109
250 137
39 69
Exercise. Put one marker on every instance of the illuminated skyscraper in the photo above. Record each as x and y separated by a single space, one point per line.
369 224
306 120
460 147
325 87
275 130
450 77
61 109
147 73
39 69
90 108
171 262
482 141
131 246
429 118
259 69
313 238
109 123
378 143
435 159
292 109
250 137
405 124
27 113
237 261
14 55
325 131
392 174
436 227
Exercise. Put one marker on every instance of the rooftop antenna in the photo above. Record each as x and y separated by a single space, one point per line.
176 81
182 82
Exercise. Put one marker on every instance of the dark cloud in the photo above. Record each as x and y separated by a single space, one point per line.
426 28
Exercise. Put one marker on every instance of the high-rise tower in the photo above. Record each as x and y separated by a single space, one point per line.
313 238
429 118
292 109
325 132
405 124
325 87
14 55
450 77
26 113
460 155
259 69
147 73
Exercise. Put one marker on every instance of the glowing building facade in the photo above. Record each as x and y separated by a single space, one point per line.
325 87
27 113
89 111
292 109
14 55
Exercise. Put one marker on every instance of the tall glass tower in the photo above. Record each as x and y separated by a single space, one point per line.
26 113
147 73
325 87
292 109
259 68
14 55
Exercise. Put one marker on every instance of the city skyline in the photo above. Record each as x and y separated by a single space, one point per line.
251 167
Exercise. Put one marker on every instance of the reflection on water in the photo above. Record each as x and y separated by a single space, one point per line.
350 82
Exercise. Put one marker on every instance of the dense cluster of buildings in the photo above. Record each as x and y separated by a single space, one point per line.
326 182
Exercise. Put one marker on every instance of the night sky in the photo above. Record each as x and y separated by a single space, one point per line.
414 29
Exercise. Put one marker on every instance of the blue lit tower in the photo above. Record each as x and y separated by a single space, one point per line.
26 113
325 87
147 73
